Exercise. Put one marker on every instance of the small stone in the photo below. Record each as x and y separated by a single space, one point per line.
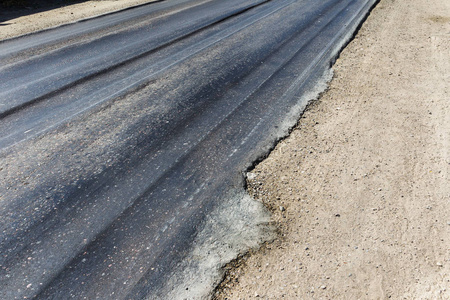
256 294
439 264
323 287
337 215
282 208
251 176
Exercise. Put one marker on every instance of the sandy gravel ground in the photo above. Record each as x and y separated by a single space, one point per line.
361 190
47 19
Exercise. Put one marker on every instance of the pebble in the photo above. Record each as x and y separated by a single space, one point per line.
282 208
439 264
251 175
323 287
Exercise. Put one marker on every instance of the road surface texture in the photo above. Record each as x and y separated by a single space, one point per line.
364 178
124 138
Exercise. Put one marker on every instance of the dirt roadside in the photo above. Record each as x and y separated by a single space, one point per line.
47 19
360 190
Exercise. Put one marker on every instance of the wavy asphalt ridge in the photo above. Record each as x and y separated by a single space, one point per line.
148 118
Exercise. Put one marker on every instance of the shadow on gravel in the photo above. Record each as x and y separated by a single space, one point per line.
11 9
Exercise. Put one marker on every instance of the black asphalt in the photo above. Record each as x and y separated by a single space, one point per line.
120 134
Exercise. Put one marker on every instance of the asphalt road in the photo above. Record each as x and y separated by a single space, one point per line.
119 135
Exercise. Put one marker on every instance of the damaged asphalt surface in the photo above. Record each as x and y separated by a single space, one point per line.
120 134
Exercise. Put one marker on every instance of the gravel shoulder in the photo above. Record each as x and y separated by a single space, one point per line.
47 19
360 190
